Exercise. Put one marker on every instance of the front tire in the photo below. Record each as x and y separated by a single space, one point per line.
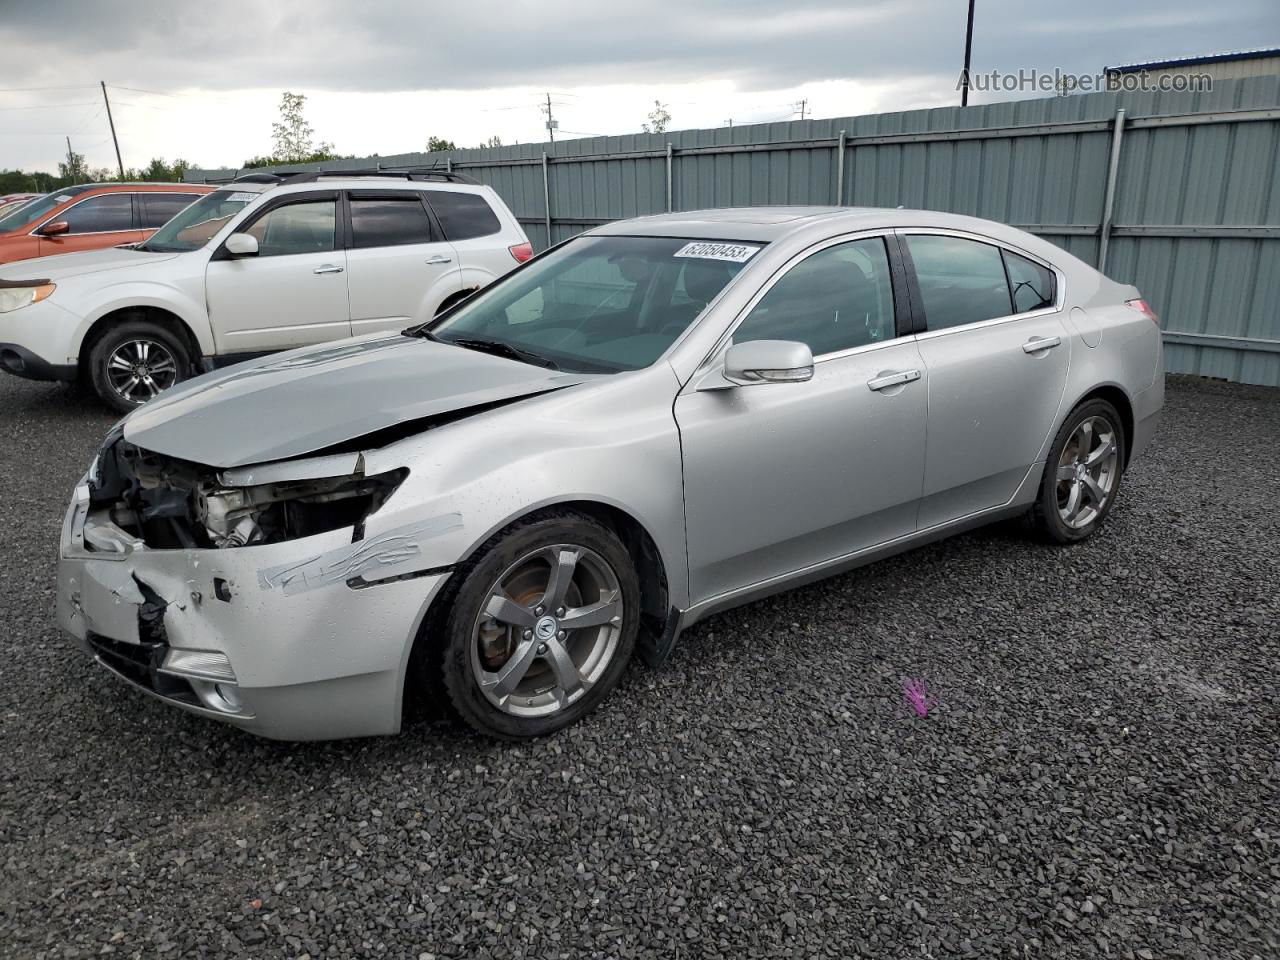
1082 474
540 627
135 361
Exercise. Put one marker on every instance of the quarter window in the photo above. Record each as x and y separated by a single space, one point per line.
159 208
307 227
389 221
105 214
961 281
1031 283
836 299
463 216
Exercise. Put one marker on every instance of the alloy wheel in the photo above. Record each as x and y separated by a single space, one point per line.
547 631
1087 472
139 369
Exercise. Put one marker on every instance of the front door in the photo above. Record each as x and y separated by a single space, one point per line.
106 220
997 356
782 476
399 268
294 292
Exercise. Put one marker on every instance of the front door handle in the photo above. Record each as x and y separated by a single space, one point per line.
1037 344
438 259
328 268
893 379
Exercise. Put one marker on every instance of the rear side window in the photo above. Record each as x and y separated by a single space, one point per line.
961 281
388 221
159 208
306 227
104 214
836 299
1031 283
463 216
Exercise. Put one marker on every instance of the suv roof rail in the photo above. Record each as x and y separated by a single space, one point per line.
255 178
408 173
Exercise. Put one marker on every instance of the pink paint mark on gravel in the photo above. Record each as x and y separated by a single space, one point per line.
918 698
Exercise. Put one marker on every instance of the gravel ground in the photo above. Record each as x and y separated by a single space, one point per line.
1096 775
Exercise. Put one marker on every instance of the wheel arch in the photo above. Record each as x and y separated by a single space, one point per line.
1115 395
651 568
159 315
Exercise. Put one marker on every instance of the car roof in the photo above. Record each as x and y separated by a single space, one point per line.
144 186
768 224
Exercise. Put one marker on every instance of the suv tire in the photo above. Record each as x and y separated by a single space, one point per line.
134 361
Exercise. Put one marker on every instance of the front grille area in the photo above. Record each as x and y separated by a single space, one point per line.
140 662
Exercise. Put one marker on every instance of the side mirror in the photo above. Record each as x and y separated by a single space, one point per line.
242 245
55 228
768 361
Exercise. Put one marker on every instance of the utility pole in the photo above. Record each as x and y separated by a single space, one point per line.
968 54
119 162
551 123
801 107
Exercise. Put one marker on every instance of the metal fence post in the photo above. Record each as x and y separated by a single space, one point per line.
669 194
546 194
448 164
1109 198
840 170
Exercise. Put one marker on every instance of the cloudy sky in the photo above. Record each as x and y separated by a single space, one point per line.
203 81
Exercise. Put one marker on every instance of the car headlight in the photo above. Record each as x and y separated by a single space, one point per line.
14 298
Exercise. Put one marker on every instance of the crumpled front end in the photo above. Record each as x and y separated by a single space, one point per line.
252 599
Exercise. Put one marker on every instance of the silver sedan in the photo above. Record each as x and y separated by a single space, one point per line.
655 421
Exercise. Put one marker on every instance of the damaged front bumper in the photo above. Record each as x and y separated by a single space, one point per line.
301 640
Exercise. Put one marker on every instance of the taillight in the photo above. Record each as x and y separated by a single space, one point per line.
1143 308
521 251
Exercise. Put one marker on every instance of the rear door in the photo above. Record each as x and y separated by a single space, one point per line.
476 232
156 209
294 292
400 268
106 220
997 356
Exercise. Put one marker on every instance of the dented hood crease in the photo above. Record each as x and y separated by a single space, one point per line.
292 404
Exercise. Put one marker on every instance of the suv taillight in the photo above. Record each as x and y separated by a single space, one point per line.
521 251
1143 308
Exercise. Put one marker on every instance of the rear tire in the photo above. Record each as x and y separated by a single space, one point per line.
134 361
514 664
1081 474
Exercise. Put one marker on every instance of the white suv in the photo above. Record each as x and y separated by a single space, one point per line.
266 263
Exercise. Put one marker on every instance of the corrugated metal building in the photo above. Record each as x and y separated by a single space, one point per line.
1215 66
1177 192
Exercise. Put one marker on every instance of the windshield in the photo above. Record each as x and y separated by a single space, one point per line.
196 225
599 304
32 209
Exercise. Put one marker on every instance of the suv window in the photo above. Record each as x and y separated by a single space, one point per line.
1032 284
305 227
159 208
107 213
838 298
463 216
389 221
961 281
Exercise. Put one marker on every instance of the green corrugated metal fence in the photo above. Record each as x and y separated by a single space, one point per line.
1189 211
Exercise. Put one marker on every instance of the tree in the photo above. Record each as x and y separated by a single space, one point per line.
659 118
494 141
292 134
73 169
436 144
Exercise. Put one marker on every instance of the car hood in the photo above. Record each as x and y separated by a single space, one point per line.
303 401
67 265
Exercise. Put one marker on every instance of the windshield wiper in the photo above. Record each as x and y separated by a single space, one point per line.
498 348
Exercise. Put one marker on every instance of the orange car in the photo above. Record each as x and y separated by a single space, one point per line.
91 216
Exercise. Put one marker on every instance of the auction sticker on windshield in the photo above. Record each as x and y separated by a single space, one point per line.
733 252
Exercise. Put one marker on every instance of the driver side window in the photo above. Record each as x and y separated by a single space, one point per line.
307 227
836 299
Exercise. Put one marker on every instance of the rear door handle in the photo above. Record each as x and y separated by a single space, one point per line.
1036 344
893 379
438 259
328 268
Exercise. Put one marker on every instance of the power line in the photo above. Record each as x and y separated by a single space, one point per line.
69 86
52 106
